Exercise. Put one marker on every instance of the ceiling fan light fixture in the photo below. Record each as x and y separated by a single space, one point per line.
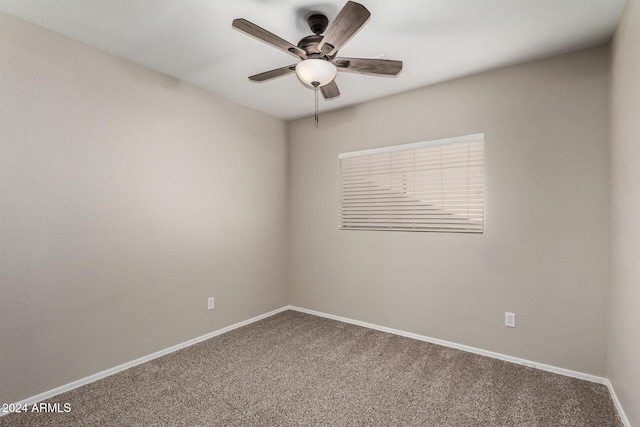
316 72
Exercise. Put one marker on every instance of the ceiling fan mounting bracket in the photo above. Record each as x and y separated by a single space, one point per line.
317 23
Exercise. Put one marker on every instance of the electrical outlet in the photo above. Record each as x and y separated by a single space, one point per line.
510 319
210 304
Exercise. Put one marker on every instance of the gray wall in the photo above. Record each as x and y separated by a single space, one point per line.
623 334
126 199
544 253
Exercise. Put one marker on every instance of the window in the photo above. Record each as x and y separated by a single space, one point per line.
427 186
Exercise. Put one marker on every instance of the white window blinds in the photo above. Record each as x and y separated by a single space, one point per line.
426 186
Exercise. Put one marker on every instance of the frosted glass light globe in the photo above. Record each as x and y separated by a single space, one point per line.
314 70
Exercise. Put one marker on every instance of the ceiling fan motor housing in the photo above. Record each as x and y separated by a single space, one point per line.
310 45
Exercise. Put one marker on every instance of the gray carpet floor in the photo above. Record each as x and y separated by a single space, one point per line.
294 369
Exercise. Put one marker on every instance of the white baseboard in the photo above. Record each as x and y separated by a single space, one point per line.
95 377
616 401
492 354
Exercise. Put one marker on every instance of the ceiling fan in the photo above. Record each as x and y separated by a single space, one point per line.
319 62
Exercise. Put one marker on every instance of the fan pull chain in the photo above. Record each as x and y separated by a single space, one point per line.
316 116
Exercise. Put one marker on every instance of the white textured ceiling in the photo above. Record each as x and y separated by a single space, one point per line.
438 40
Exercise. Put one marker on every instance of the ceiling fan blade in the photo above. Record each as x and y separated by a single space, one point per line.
385 67
349 20
272 74
268 37
330 90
